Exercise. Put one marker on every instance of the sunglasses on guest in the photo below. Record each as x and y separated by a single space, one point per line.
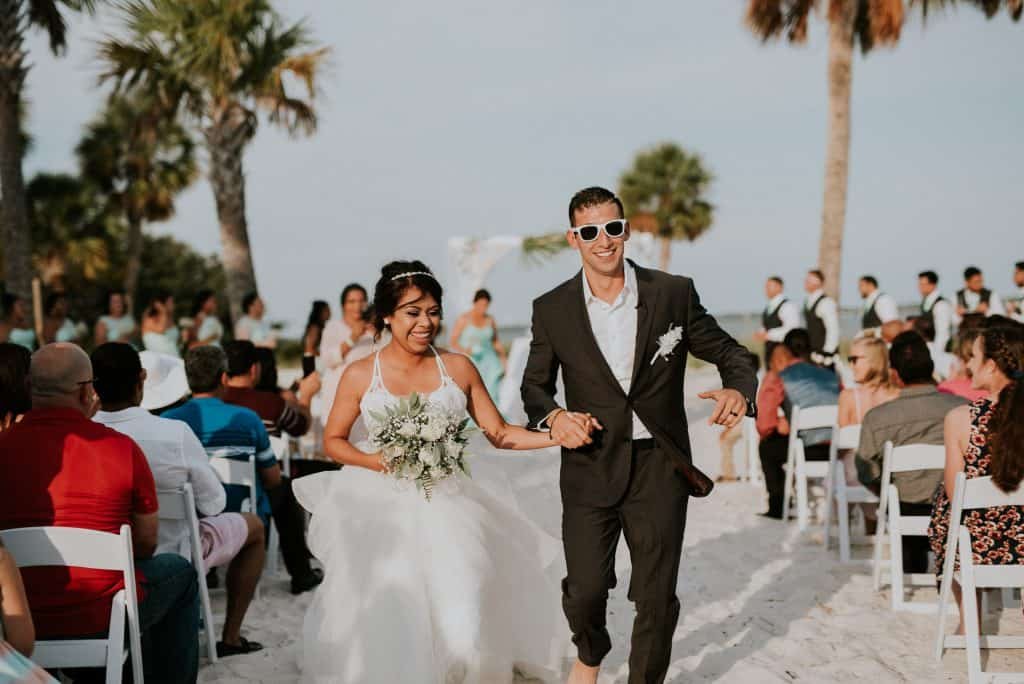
589 232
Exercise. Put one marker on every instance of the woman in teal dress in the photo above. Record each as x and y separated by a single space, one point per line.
57 327
476 335
118 324
15 326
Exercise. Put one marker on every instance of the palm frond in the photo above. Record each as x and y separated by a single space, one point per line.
539 248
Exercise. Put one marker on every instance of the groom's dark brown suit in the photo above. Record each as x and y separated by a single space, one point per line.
615 484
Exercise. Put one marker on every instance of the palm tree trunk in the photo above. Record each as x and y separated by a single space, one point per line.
133 249
837 155
226 144
14 228
666 253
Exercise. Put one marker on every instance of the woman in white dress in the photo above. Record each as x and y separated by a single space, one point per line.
460 589
344 342
207 328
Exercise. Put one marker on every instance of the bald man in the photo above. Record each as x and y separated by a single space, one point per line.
67 471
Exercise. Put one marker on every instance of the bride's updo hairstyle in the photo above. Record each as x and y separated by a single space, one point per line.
395 279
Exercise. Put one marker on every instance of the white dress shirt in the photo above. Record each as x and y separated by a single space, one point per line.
829 313
942 314
175 456
614 327
334 364
884 305
788 314
995 303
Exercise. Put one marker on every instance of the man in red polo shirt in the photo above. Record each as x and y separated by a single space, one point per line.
62 469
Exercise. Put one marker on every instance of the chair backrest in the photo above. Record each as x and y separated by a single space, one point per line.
847 437
982 492
180 505
68 546
279 445
814 417
902 459
236 472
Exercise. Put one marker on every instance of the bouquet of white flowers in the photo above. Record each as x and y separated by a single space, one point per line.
421 442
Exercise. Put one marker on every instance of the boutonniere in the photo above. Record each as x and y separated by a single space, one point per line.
668 342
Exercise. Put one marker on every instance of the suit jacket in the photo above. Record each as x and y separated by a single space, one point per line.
598 474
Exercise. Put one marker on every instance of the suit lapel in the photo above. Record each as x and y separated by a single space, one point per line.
580 320
646 314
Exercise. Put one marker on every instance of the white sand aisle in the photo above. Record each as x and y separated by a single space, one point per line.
760 603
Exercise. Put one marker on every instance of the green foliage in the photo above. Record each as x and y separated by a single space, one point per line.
538 248
670 183
172 266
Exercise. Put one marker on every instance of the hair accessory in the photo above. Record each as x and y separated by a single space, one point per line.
414 273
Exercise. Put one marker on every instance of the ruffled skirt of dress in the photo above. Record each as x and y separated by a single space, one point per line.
462 589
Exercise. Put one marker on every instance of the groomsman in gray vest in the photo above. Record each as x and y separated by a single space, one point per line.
1015 306
879 308
936 308
821 316
975 297
779 317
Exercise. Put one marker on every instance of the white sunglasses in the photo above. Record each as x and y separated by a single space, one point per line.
615 228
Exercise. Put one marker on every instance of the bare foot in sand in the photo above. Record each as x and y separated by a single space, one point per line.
583 674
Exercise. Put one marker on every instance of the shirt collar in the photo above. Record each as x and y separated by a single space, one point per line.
870 300
776 300
934 295
918 391
122 416
629 288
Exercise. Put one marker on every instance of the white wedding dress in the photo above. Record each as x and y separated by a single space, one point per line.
459 590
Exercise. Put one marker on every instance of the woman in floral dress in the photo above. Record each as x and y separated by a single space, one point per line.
987 438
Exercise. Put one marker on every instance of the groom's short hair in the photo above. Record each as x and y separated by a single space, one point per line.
592 197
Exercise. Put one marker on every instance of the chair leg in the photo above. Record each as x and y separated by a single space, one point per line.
972 630
843 513
895 561
830 495
787 496
802 506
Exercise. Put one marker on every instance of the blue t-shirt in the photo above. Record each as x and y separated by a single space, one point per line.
234 432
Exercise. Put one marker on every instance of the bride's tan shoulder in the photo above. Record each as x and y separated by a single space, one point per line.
359 370
454 361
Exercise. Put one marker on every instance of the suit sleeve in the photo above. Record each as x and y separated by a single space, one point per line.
541 375
708 342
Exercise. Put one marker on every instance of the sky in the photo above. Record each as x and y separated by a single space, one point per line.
462 118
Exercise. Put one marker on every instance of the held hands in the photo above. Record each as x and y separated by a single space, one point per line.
572 430
730 407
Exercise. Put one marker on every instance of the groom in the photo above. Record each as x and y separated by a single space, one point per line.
620 335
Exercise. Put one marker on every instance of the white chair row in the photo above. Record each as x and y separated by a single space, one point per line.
73 547
840 496
799 471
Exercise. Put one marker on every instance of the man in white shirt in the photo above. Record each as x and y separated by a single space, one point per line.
879 308
975 297
1015 306
821 315
779 317
176 456
936 308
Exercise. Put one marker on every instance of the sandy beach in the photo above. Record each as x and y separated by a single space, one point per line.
760 601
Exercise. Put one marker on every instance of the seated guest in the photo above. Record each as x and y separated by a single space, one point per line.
914 417
238 432
983 439
959 381
83 474
14 394
890 330
792 380
945 363
17 635
175 456
279 416
166 386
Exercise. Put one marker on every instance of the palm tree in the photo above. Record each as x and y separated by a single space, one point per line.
863 23
139 159
16 17
219 62
666 187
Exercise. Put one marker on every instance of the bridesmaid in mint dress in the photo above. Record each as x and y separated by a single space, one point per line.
118 324
16 326
476 335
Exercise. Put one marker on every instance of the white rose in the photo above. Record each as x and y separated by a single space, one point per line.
432 431
453 448
428 456
408 429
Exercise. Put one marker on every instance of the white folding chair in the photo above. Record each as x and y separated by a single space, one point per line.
282 447
180 505
243 473
750 442
972 494
902 459
798 469
74 547
282 451
840 495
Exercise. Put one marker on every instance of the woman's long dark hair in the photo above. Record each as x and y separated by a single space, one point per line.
199 302
316 315
1005 346
390 288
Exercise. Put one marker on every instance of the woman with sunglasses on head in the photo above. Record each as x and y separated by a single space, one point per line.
476 335
869 361
451 589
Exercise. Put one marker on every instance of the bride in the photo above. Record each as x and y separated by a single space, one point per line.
458 589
